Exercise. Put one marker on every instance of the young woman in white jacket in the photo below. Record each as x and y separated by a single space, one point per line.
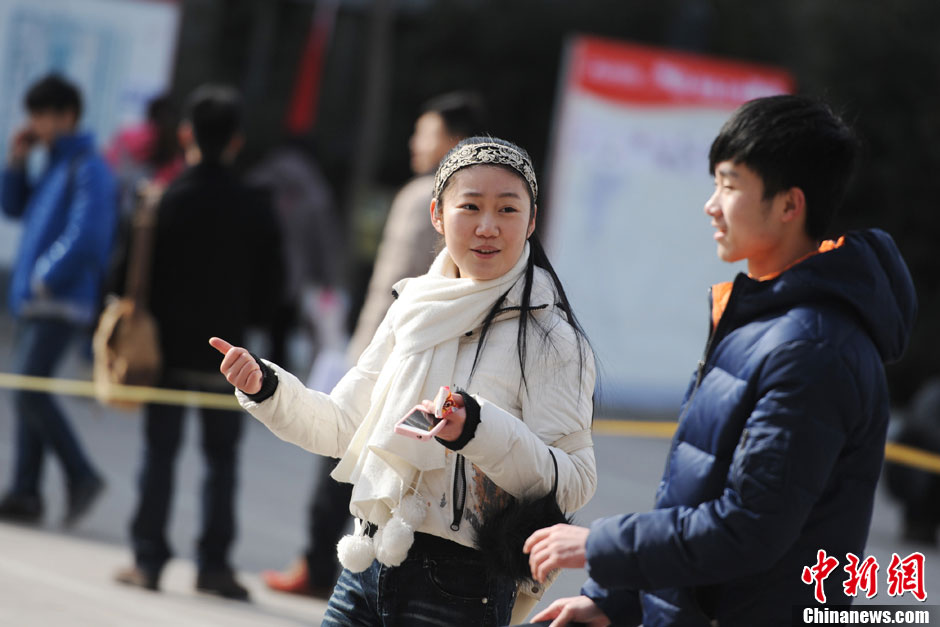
490 318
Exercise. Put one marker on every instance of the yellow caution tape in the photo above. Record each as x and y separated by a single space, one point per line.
636 428
913 457
894 452
126 393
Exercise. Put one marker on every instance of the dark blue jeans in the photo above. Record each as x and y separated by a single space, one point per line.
430 588
163 429
40 345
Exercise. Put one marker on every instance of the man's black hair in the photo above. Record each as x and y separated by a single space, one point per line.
215 113
463 112
53 93
160 110
792 141
163 114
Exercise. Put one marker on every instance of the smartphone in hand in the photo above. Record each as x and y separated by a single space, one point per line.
25 137
421 425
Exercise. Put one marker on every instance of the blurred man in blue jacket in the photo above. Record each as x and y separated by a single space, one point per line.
782 432
68 217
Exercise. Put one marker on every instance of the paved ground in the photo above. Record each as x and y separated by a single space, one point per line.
51 577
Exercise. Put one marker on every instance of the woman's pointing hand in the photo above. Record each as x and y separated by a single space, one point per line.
239 366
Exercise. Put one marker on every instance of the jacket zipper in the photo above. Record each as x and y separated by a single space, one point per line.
460 491
700 369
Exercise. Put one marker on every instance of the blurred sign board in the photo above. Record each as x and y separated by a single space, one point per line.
119 52
628 178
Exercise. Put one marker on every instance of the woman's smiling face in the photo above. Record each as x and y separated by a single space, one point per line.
486 218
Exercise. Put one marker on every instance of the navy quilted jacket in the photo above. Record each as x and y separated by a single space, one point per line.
780 444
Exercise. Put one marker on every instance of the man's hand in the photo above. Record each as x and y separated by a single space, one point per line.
558 546
22 141
238 366
579 609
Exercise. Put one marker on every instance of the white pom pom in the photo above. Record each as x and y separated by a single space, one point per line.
355 553
412 510
396 539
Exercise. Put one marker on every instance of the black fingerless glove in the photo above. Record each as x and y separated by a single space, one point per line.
472 408
269 382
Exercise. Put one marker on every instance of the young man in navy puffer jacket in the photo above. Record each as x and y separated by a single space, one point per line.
781 435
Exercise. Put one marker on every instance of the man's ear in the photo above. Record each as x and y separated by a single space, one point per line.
234 147
437 218
70 120
794 204
185 135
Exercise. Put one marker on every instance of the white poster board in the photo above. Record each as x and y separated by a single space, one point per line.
119 53
626 231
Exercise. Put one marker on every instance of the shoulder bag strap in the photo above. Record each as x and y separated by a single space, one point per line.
137 288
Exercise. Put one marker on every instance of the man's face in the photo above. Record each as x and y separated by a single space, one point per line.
429 143
746 225
48 125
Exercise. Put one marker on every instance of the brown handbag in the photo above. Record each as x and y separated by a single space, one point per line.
126 345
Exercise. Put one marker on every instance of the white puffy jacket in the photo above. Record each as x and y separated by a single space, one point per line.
510 450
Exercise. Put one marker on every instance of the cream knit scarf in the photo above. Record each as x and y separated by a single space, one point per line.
430 315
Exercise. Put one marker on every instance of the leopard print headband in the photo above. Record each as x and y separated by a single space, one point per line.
485 153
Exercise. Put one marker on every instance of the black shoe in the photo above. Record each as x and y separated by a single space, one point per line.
21 508
221 582
81 497
138 577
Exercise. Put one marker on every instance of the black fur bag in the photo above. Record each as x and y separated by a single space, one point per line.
503 534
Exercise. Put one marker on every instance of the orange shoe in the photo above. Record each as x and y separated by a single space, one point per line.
295 580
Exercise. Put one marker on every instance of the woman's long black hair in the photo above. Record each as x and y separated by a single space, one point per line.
537 259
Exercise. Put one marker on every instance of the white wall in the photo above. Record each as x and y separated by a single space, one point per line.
627 233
